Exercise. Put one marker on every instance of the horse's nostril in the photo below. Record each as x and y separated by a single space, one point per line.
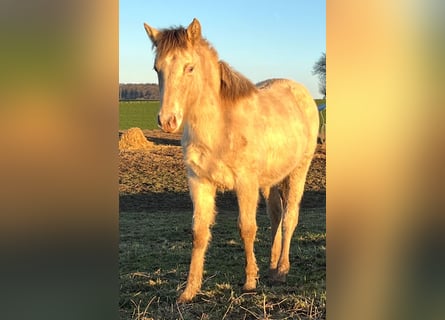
172 123
159 121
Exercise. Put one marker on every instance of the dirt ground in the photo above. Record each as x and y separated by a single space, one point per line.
152 180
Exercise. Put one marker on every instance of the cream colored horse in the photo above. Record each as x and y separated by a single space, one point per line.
236 136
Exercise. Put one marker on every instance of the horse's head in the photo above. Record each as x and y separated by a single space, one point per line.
177 63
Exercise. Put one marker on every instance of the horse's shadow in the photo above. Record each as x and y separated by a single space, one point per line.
170 201
165 141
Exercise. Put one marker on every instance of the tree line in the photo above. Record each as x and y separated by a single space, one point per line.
138 91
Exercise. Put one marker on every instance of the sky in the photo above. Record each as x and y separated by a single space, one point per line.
260 39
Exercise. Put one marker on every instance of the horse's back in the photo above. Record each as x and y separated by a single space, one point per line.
290 93
289 104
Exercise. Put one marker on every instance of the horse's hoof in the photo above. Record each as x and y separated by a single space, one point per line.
275 278
251 290
184 298
249 287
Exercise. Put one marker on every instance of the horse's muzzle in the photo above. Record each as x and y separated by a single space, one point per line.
168 125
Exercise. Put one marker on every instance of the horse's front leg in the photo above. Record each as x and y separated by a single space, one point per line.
247 195
202 193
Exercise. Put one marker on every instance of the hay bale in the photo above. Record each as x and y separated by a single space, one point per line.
134 139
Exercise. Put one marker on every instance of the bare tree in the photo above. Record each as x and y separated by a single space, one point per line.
320 70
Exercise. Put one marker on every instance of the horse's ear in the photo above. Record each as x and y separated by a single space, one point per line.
152 33
194 31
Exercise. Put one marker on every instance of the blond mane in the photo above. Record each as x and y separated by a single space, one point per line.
234 85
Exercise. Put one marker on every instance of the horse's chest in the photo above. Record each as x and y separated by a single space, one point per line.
208 165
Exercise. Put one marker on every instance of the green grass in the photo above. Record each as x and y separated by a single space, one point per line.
322 126
141 114
319 101
155 250
322 101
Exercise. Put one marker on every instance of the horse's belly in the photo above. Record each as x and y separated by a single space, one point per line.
279 162
274 171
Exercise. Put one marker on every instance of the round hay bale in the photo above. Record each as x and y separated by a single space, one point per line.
134 139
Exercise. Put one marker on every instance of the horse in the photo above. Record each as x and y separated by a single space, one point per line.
235 136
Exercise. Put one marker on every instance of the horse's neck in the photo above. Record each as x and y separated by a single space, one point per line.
205 122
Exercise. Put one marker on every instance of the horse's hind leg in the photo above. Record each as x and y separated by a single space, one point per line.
274 206
293 192
247 194
203 197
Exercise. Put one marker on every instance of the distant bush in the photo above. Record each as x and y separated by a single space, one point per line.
139 91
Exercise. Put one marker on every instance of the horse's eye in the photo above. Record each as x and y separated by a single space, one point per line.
189 69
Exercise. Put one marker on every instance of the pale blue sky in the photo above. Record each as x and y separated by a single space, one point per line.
260 39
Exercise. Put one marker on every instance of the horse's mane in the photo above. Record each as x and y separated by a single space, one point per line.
234 85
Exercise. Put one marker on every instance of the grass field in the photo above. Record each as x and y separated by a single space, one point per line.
143 114
155 253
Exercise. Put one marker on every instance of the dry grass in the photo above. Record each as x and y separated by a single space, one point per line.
155 252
